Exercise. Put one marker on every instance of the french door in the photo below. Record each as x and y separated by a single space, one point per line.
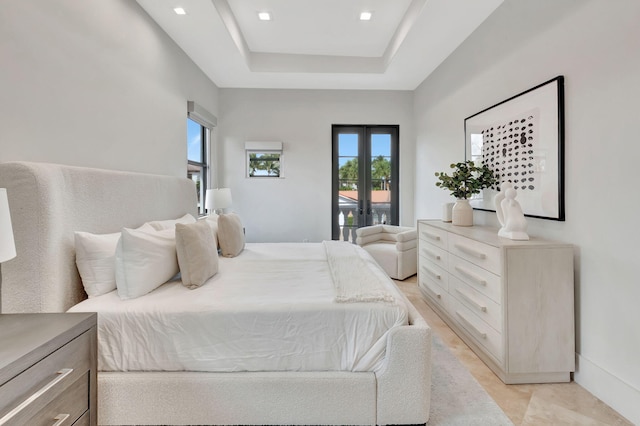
365 178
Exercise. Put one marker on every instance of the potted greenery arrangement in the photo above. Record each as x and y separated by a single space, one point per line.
467 179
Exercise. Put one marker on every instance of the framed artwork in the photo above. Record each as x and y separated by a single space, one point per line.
522 140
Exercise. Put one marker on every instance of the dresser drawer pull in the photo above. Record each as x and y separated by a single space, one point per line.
470 251
430 235
471 326
431 254
471 276
438 295
11 414
61 418
432 273
471 300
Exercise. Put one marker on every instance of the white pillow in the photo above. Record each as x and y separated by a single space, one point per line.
144 261
197 253
95 258
159 225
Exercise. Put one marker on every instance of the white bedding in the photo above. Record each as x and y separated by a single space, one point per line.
270 309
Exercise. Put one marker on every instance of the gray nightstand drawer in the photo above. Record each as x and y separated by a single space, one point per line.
67 407
57 382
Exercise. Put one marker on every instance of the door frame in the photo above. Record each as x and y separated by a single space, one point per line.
364 167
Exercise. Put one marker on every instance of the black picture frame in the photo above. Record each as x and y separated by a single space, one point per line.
522 140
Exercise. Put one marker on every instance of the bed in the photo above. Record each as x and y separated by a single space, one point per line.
389 384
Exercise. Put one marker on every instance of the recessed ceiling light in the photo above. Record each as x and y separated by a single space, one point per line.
179 11
264 16
365 16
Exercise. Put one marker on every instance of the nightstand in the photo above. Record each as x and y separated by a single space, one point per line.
48 366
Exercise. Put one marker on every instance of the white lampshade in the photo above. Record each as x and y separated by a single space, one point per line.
208 200
218 199
7 244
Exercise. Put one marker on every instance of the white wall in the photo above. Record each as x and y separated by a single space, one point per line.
298 207
94 83
99 84
595 45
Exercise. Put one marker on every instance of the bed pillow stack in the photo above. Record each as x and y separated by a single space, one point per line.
136 261
145 259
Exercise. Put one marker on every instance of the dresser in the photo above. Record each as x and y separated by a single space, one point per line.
511 301
48 366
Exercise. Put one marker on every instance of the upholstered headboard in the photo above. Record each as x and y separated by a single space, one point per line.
48 202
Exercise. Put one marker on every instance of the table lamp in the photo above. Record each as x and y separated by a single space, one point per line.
217 200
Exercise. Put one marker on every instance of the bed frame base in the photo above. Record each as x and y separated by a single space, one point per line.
236 398
50 201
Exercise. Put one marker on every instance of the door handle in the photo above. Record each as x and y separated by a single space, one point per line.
369 208
360 209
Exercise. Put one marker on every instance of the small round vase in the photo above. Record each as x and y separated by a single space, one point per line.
462 214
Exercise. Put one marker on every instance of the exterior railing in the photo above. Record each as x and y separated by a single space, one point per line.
349 220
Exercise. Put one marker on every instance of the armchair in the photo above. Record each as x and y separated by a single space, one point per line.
393 247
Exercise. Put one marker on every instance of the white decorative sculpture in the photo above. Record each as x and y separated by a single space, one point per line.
498 201
514 224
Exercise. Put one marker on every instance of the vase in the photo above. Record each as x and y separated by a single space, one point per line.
462 214
447 212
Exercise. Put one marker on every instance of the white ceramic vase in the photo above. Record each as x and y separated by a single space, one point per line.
447 212
462 214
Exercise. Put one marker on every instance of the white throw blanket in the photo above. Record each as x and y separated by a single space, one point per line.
353 278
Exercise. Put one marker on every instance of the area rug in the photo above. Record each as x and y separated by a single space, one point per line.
456 397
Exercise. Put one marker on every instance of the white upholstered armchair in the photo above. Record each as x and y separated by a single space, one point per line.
393 247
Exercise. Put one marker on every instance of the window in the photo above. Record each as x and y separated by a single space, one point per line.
199 125
197 138
264 159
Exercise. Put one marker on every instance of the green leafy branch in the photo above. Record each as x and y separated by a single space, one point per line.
467 179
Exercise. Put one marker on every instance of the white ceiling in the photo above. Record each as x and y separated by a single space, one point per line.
319 44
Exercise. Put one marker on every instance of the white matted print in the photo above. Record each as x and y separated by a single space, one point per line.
522 140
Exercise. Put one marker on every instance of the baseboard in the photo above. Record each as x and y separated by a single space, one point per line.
613 391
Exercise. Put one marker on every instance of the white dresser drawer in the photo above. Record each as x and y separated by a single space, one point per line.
477 329
477 277
434 292
435 254
435 273
487 309
437 237
476 252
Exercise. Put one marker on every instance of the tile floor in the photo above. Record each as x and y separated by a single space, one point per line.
540 404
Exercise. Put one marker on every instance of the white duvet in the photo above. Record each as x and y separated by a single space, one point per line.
270 309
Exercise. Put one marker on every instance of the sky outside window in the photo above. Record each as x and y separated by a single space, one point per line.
348 143
194 141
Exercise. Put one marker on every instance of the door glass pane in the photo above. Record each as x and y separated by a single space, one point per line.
380 178
348 185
